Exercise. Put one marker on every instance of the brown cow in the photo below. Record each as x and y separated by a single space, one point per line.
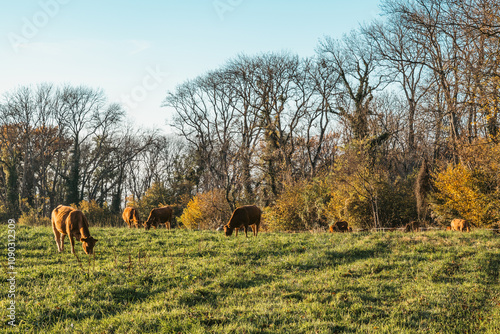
340 226
131 217
412 226
159 216
460 225
244 216
71 222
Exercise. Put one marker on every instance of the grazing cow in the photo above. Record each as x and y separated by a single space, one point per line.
131 217
460 225
159 216
412 226
340 226
243 217
71 222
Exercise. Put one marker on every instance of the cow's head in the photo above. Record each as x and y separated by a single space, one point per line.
88 244
147 224
227 230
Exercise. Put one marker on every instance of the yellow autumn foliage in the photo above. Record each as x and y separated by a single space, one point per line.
206 211
462 192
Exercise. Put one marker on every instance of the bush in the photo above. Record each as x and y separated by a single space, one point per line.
32 217
206 211
359 190
301 206
465 193
366 194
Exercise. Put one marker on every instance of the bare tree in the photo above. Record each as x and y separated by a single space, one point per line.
78 114
354 61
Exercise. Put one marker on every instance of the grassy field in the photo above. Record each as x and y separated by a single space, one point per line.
201 282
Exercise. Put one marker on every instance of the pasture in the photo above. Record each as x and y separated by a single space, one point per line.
180 281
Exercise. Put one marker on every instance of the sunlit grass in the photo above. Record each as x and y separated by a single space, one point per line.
201 282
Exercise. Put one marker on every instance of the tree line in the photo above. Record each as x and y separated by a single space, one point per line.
67 144
395 121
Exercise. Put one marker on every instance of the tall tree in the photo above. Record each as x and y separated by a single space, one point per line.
78 113
354 61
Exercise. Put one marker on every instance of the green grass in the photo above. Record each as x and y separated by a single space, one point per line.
201 282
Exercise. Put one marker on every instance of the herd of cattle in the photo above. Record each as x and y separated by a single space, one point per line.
73 223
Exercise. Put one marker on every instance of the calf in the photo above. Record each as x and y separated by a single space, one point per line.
131 217
244 216
71 222
159 216
460 225
340 226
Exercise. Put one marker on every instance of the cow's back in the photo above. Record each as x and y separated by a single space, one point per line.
163 214
59 217
245 215
254 214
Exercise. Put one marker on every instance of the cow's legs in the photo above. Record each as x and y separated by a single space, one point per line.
58 237
72 242
167 225
62 241
246 231
255 229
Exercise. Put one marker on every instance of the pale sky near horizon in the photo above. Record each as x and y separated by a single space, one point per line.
137 51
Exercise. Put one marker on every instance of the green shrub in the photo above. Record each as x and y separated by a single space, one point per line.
32 217
301 206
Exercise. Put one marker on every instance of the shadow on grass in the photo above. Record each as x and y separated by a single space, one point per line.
357 253
199 296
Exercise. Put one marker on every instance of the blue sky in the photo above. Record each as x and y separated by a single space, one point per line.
138 50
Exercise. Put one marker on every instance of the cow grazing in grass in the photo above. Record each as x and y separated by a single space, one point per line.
340 226
244 216
71 222
412 226
460 225
159 216
131 217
